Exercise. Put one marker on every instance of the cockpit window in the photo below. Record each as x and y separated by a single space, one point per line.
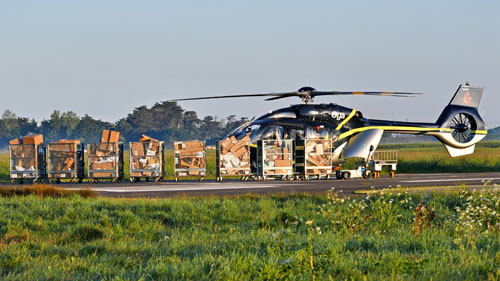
242 131
318 133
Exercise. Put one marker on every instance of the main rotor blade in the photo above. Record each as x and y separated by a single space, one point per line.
388 94
305 94
291 94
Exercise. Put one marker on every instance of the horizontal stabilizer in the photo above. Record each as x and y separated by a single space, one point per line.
455 152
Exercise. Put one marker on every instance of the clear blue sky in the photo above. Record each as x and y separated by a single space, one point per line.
105 58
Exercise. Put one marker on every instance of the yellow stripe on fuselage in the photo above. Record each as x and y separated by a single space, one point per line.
392 128
346 120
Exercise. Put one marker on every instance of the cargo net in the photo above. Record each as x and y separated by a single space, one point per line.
277 157
234 156
318 157
62 159
146 159
23 161
190 158
103 160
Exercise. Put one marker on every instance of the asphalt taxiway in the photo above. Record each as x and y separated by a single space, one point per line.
235 187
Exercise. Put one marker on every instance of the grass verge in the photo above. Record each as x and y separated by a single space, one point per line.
44 190
417 236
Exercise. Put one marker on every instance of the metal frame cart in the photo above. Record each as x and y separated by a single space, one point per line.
147 160
275 159
313 157
232 159
105 161
383 158
188 161
65 161
27 162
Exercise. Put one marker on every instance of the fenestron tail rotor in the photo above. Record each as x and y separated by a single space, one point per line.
462 126
307 95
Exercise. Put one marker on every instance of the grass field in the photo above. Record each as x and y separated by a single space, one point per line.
413 158
432 236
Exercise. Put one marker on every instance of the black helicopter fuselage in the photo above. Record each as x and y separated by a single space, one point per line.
331 121
459 127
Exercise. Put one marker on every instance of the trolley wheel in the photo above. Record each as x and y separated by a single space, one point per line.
346 175
367 174
391 174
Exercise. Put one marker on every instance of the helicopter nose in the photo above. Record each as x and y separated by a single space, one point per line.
306 89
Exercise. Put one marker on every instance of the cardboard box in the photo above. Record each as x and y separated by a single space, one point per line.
105 136
70 141
33 139
114 136
145 138
103 166
282 163
16 141
137 149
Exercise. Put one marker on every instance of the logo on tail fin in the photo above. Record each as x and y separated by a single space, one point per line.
467 98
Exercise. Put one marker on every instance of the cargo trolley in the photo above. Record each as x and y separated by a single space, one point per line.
105 161
313 158
274 159
65 161
232 158
27 163
147 161
189 159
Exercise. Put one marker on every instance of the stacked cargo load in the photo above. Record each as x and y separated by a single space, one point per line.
313 158
189 159
147 160
274 158
65 160
233 157
27 159
105 159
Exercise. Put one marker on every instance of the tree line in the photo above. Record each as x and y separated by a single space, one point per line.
165 121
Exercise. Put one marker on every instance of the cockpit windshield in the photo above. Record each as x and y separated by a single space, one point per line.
246 129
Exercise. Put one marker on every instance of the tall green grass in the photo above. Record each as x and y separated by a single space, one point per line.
293 237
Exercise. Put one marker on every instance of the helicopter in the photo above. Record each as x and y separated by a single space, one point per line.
459 127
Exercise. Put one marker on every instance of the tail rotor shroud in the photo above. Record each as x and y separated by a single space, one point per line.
463 127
